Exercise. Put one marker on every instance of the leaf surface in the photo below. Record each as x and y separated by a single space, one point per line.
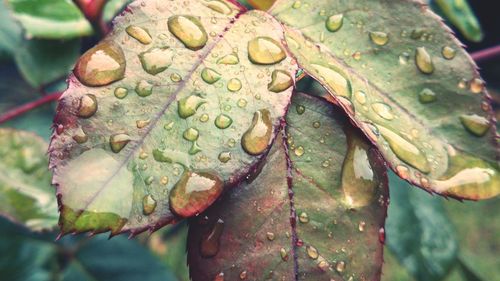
315 211
407 83
27 195
179 101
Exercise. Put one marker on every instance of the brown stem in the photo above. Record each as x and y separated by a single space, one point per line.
29 106
486 54
93 12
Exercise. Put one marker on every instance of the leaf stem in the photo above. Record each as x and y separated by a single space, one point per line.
93 12
17 111
486 54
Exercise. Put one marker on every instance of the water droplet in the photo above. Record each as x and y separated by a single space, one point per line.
448 52
325 164
80 136
475 124
336 82
300 109
360 97
334 23
340 267
299 151
280 81
383 110
316 124
424 61
194 192
204 118
404 58
187 106
223 121
118 141
405 151
169 126
144 88
403 172
256 139
121 93
189 31
379 38
231 142
303 217
210 241
164 180
242 103
139 34
265 50
219 277
296 4
142 123
219 7
148 205
101 65
427 96
462 84
283 254
361 226
234 85
270 236
209 75
156 60
225 156
476 85
230 59
175 77
243 275
87 106
312 252
190 134
323 265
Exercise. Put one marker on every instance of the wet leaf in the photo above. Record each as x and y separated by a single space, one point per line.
419 232
27 195
407 83
316 214
165 113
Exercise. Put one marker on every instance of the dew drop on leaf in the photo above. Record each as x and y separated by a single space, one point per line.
210 241
118 141
265 50
280 81
144 88
312 252
188 30
187 106
209 75
448 52
256 139
360 97
139 34
190 134
379 38
335 81
334 22
219 7
80 136
424 61
234 85
427 96
223 121
148 204
383 110
230 59
120 92
225 156
87 106
476 85
156 60
475 124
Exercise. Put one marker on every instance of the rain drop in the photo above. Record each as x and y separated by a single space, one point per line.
265 50
280 81
118 141
156 60
139 34
87 106
189 31
257 137
424 61
334 23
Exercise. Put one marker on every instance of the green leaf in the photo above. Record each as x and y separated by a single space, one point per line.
113 7
419 232
10 32
407 83
462 17
27 194
50 19
165 112
315 211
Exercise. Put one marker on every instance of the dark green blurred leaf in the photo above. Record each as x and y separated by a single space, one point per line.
459 13
10 32
113 7
419 233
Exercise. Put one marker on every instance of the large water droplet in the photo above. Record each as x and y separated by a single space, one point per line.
230 59
101 65
334 23
475 124
424 61
189 31
256 139
144 88
87 106
265 50
118 141
148 205
139 33
225 156
121 93
191 134
80 136
209 75
210 241
156 60
427 96
187 106
219 7
223 121
383 110
379 38
280 81
194 192
476 85
334 79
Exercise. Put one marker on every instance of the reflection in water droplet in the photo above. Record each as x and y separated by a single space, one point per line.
101 65
225 156
210 241
476 85
80 136
230 59
448 52
156 60
312 252
475 124
403 172
118 141
144 88
223 121
334 23
334 79
219 7
379 38
234 85
189 31
424 61
121 93
87 106
190 134
148 205
383 110
427 96
265 50
258 136
194 192
187 106
303 217
139 33
280 81
243 275
209 75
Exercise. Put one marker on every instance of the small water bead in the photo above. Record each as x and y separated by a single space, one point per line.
360 97
361 226
209 75
169 126
191 134
283 254
188 30
312 252
219 7
356 55
223 121
296 4
194 192
225 156
140 34
403 172
258 136
340 267
427 96
475 124
424 61
187 106
101 65
156 60
80 136
383 110
149 180
316 124
462 84
144 88
299 151
335 80
476 85
448 52
143 155
219 277
300 109
230 59
404 58
265 50
87 106
270 236
142 123
234 85
121 93
243 275
204 118
280 81
379 38
148 205
303 217
195 148
164 180
242 103
118 141
175 77
323 265
325 164
334 22
231 142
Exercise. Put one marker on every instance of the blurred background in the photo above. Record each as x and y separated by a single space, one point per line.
428 237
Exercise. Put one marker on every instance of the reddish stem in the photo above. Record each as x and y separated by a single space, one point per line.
93 12
486 54
29 106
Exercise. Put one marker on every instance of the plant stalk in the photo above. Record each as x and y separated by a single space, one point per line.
15 112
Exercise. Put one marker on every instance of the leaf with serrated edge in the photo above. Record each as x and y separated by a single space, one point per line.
27 196
374 60
115 168
338 209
